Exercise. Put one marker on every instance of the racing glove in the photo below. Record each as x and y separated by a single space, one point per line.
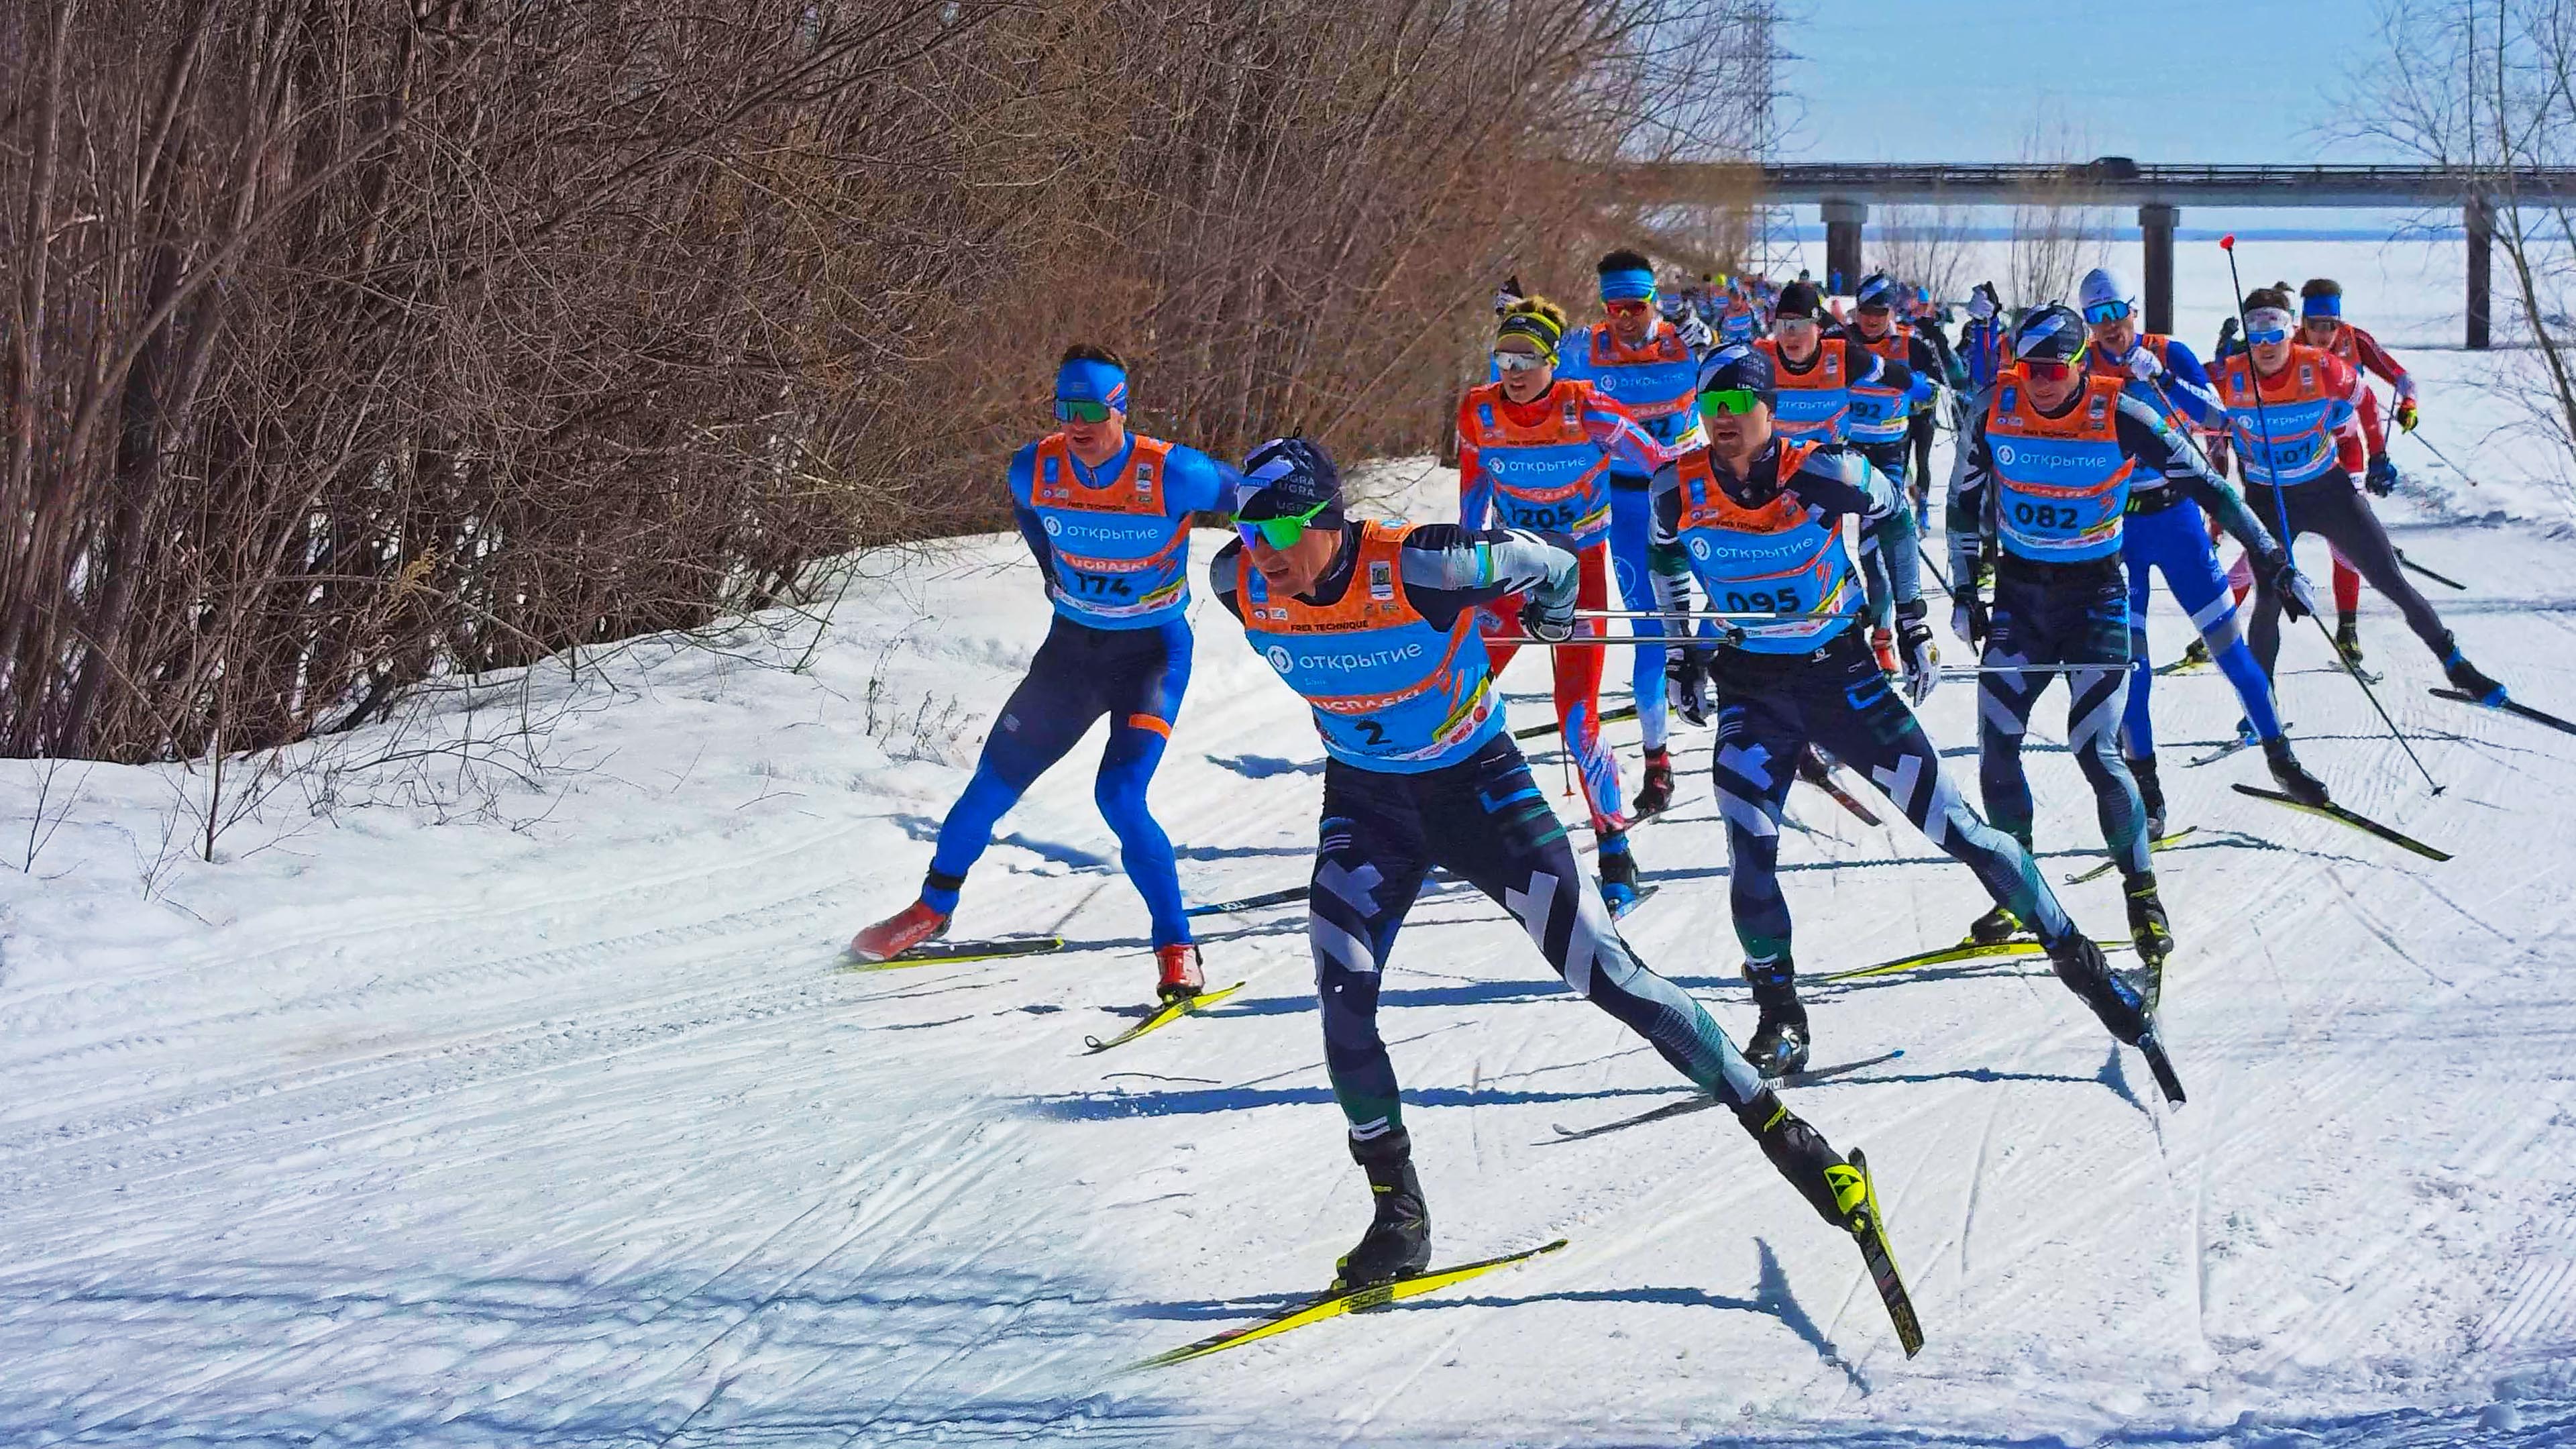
1922 658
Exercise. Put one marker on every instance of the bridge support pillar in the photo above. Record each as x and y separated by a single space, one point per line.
1842 244
2156 223
2478 216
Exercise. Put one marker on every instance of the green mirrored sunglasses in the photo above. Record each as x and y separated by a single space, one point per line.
1735 400
1281 532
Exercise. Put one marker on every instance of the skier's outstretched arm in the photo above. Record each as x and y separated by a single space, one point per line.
2152 442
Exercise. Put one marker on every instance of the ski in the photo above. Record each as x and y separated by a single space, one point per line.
950 953
2161 842
2240 743
2362 823
1964 951
1336 1302
2152 1045
1880 1259
1288 896
1532 732
1702 1101
1163 1016
1822 777
2184 665
2511 706
2414 567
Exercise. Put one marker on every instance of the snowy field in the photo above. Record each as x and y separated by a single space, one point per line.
534 1108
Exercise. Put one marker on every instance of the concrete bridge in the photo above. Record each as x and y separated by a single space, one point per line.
1844 192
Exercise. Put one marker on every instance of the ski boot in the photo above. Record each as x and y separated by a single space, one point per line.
1779 1045
1178 975
1801 1154
2151 793
2120 1005
1999 924
2467 680
2147 924
1398 1241
1882 642
2347 639
2195 654
1656 794
898 933
1619 887
2293 778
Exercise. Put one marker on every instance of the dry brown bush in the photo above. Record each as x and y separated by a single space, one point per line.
353 345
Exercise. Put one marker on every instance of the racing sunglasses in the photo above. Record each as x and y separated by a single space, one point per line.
2047 368
2266 336
1281 532
1075 410
2115 310
1735 401
1518 361
1628 307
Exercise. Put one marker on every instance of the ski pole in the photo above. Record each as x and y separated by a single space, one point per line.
2428 573
2437 453
2281 506
1926 555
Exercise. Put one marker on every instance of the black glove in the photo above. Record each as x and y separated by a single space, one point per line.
1968 618
1546 625
1916 651
2297 599
1686 684
2381 479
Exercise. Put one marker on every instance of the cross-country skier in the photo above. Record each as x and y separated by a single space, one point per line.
1882 421
1647 368
2321 325
2299 446
1106 513
2042 481
1374 624
1534 451
1757 519
2166 532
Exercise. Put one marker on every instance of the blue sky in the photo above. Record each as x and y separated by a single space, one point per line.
2177 80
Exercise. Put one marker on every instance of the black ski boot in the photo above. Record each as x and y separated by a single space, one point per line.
1398 1242
1997 925
1779 1045
2290 775
2467 680
2195 654
1619 887
2119 1004
2147 924
1802 1155
2347 639
1656 795
2151 793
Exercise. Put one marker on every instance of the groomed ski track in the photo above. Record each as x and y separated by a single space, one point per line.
555 1124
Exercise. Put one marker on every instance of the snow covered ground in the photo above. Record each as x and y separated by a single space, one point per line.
534 1108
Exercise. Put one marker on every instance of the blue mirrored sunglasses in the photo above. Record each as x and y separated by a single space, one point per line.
2111 311
2267 336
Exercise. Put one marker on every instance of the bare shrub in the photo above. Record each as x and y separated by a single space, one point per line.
353 347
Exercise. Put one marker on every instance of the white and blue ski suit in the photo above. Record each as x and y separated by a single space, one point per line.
1419 772
2046 495
1771 543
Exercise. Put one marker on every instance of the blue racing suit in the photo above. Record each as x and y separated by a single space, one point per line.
1112 544
2165 532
